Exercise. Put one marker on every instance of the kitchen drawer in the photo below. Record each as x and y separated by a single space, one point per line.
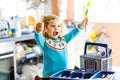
6 47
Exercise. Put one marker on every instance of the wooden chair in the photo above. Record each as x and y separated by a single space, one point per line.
41 78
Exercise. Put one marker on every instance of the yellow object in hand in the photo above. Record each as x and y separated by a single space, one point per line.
85 10
88 3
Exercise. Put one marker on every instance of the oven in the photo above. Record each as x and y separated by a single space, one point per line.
7 61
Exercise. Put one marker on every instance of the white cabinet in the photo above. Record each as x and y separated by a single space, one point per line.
9 44
6 60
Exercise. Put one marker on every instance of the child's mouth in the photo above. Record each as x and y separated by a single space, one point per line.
55 33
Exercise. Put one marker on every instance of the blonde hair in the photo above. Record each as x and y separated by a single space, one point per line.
46 20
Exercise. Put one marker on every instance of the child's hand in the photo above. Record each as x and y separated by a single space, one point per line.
84 22
39 27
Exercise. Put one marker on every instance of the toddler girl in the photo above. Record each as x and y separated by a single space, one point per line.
49 36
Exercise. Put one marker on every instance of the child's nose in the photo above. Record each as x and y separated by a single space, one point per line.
56 27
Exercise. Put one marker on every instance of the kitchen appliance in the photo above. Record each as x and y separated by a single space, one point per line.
99 59
6 61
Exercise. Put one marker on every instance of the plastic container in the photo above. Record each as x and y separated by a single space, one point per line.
96 60
70 74
104 75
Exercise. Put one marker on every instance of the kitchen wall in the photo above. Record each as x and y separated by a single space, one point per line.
112 29
70 9
22 8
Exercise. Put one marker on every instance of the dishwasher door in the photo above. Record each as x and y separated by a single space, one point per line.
7 61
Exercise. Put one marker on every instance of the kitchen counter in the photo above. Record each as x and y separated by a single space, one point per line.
7 45
21 38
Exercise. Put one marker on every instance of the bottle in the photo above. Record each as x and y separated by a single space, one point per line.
18 28
12 25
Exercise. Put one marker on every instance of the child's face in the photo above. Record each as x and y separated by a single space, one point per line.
54 29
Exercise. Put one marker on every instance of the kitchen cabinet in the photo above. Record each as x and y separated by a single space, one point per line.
9 45
6 59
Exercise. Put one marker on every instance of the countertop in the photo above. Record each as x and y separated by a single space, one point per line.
19 38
